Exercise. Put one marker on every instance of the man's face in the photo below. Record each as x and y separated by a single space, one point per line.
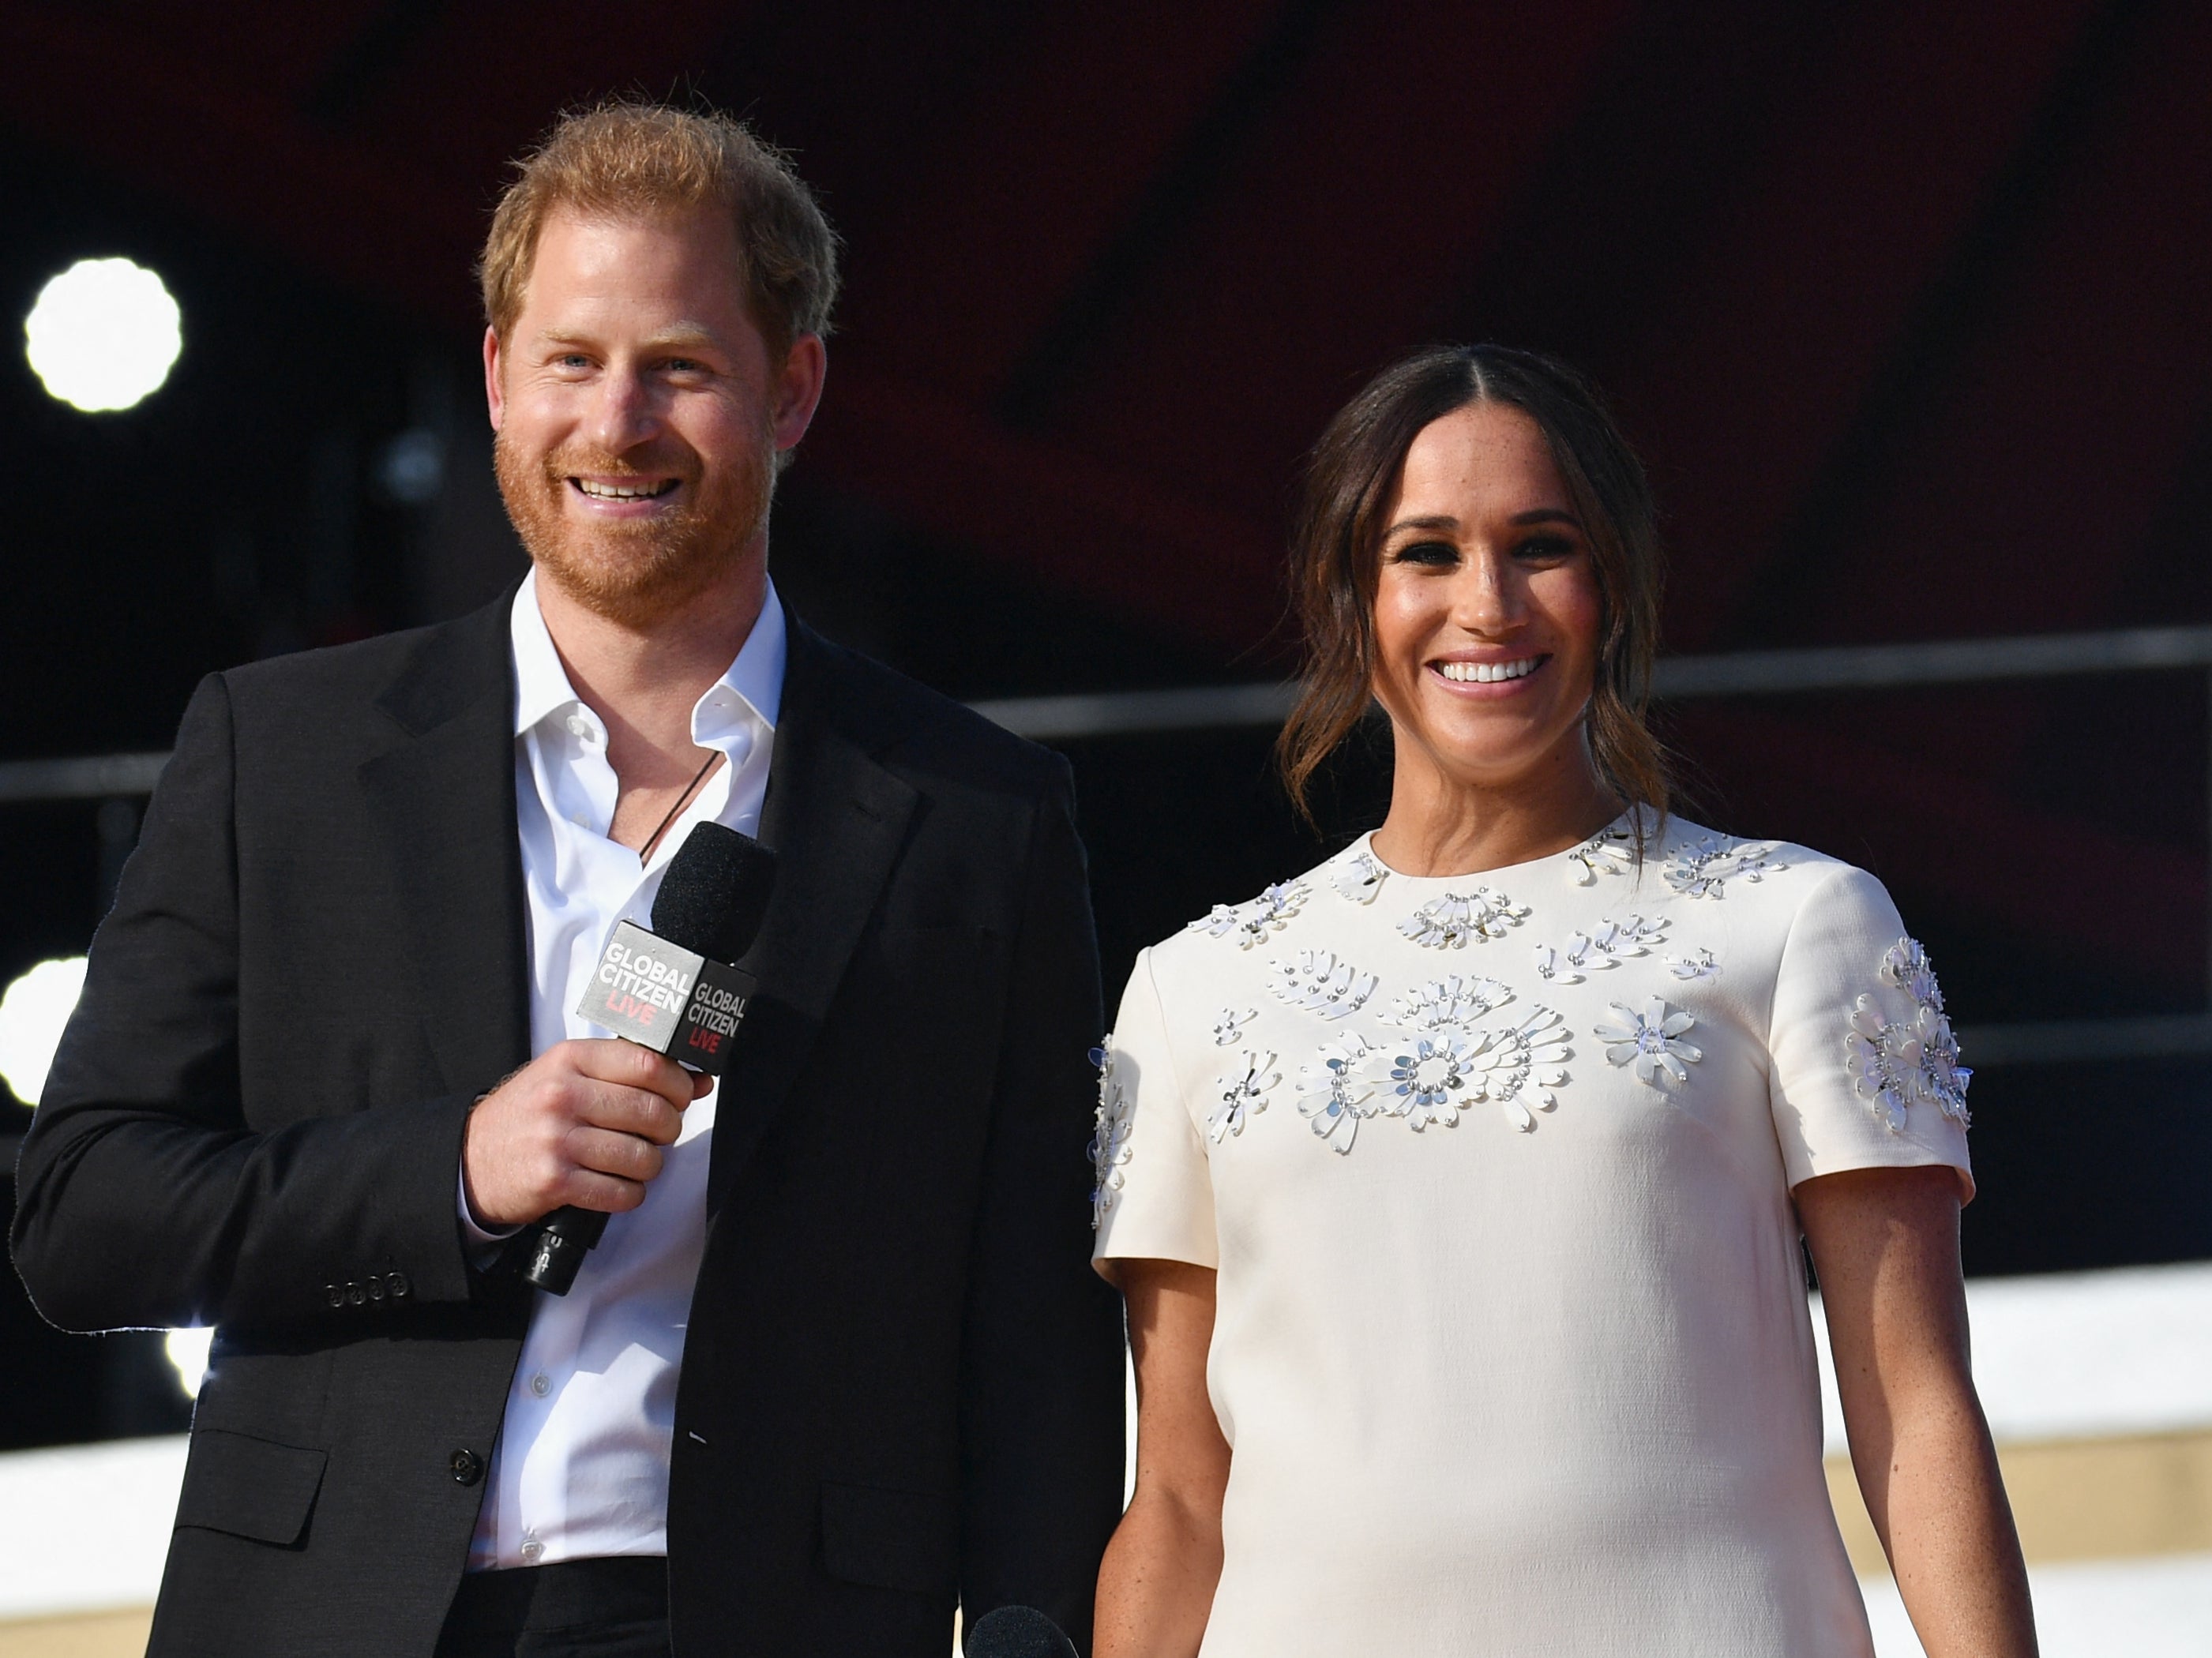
638 413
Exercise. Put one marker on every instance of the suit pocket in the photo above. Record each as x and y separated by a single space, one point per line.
250 1487
894 1539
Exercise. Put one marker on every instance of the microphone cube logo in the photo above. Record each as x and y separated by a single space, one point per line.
641 988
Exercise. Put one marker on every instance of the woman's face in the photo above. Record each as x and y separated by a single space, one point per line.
1487 607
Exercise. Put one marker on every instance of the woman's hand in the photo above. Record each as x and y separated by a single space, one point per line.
1156 1583
1885 1245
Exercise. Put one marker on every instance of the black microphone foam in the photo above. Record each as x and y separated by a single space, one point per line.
715 893
1016 1632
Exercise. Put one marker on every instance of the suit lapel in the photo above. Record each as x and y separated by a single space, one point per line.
444 794
837 818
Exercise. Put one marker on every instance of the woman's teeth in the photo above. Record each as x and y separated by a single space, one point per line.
1487 673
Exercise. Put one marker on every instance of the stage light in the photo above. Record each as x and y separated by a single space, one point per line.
103 335
31 1015
188 1353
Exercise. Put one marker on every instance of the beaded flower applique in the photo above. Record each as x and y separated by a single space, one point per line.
1450 922
1703 868
1691 969
1610 944
1333 1094
1516 1067
1230 1027
1251 922
1316 981
1110 1138
1609 852
1358 876
1242 1092
1896 1063
1651 1042
1447 1002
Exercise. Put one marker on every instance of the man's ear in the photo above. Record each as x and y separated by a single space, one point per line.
495 397
799 390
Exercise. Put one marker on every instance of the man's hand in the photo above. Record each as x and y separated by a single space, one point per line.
582 1124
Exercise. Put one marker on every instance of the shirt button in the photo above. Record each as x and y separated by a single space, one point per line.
467 1467
532 1549
579 727
541 1384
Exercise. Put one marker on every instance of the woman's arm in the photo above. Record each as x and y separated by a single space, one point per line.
1885 1245
1156 1584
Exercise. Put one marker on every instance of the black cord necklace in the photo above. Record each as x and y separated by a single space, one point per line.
644 851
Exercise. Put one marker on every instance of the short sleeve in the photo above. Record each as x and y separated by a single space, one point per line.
1865 1068
1154 1198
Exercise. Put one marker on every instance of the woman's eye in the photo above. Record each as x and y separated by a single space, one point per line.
1426 552
1541 549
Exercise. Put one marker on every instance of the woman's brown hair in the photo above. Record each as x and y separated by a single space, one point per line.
1335 555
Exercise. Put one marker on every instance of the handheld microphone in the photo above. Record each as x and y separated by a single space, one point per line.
671 990
1016 1632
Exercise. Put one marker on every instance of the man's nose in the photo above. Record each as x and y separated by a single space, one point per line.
623 412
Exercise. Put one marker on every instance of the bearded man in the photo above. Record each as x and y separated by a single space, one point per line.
839 1361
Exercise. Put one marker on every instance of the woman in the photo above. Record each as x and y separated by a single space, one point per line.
1456 1187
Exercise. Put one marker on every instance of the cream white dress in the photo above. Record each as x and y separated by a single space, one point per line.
1512 1344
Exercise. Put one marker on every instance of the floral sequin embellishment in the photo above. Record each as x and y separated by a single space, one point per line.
1252 922
1651 1042
1703 868
1443 1003
1691 969
1316 981
1229 1029
1333 1094
1611 944
1450 922
1242 1093
1358 876
1110 1138
1609 852
1426 1083
1518 1067
1897 1064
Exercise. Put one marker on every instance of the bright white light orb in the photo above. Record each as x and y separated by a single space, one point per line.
188 1354
31 1015
103 335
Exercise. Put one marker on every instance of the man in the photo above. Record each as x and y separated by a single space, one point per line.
839 1359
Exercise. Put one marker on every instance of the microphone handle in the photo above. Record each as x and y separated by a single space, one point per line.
557 1253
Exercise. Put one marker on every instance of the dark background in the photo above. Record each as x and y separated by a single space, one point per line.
1909 308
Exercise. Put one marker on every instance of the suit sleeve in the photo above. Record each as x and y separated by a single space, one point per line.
1041 1360
142 1197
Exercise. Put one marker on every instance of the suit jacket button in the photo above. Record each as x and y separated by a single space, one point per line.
335 1296
467 1467
376 1287
355 1294
398 1285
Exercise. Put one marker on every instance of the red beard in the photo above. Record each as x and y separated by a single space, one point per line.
640 572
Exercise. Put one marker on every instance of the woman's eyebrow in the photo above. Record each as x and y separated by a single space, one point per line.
1546 515
1435 521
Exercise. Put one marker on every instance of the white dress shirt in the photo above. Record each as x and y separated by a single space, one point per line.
580 1468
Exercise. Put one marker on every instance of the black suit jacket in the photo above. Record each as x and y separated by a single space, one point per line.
901 1382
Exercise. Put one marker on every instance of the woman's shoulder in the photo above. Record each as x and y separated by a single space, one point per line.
1244 925
1690 861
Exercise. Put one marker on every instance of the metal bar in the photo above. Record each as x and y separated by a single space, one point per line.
1121 714
2053 1041
1867 667
1224 708
82 777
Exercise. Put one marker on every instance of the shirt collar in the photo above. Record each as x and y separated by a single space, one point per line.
750 688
